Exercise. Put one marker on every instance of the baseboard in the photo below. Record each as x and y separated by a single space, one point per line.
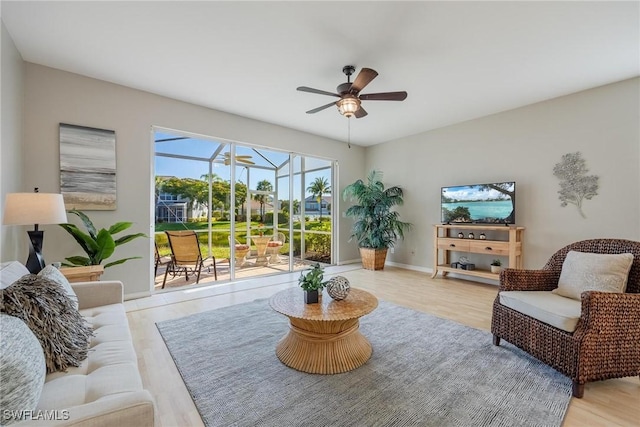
409 267
137 295
350 261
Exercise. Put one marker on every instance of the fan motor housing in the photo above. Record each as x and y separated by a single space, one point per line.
343 88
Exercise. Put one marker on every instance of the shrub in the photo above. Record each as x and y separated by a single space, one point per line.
283 218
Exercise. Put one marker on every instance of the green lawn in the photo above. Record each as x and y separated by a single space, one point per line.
220 236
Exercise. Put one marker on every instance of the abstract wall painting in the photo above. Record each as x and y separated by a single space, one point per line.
87 167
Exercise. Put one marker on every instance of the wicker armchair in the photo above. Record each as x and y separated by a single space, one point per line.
606 341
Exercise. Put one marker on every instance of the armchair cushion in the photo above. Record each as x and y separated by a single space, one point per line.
583 271
545 306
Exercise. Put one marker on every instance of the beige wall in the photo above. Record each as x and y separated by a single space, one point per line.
521 145
524 145
54 96
13 239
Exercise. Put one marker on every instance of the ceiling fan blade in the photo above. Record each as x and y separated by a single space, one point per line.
318 91
364 78
315 110
385 96
227 161
360 113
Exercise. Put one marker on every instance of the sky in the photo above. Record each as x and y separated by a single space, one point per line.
471 192
204 148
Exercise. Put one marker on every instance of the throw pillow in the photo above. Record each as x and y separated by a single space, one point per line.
583 271
45 307
23 369
10 272
50 272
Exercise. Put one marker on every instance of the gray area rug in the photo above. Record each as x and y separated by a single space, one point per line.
425 371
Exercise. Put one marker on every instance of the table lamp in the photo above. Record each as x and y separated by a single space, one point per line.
34 208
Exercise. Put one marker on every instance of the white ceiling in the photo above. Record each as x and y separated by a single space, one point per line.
457 60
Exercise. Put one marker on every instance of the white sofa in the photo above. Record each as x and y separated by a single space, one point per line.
106 389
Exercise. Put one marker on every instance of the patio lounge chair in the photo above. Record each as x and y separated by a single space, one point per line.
186 256
159 260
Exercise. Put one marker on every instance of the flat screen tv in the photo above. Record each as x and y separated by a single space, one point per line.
493 203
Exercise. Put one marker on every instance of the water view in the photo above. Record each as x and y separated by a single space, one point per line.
496 209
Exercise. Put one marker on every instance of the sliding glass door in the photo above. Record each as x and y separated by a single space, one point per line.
258 211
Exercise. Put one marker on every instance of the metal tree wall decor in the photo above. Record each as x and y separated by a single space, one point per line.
575 184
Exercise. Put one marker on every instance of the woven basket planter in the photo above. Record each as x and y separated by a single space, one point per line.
373 259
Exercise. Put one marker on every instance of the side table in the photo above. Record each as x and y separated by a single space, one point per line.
261 247
89 273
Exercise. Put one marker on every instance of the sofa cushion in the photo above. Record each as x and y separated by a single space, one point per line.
45 307
111 343
10 272
583 271
546 306
22 369
110 369
50 272
73 390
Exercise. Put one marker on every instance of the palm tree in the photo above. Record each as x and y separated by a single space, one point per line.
263 185
318 188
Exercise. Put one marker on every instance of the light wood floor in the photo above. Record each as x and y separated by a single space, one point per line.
605 403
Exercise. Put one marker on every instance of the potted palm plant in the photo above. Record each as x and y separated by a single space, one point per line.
377 226
312 283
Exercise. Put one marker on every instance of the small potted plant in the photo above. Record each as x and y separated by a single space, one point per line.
496 266
312 283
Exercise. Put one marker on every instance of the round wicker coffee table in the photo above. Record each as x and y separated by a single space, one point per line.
323 338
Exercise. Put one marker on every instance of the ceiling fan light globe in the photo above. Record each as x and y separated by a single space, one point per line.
348 106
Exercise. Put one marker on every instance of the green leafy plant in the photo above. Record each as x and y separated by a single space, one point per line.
312 281
97 244
376 226
496 262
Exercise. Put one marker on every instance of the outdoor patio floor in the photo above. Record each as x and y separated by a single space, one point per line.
248 270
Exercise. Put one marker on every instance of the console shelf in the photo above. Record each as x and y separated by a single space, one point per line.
506 241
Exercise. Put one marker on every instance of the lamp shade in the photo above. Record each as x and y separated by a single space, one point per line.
34 208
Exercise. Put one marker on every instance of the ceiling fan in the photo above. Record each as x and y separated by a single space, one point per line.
244 159
349 104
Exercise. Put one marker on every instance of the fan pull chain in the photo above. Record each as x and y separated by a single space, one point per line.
349 132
